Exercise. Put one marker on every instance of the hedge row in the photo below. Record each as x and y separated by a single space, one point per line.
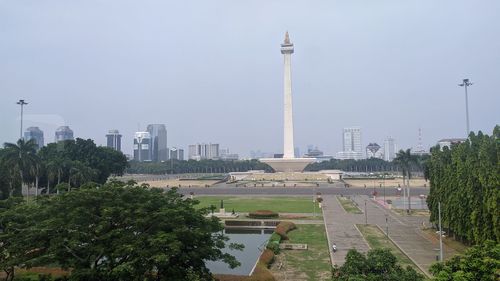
263 214
279 234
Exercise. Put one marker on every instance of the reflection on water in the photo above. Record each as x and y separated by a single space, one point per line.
253 239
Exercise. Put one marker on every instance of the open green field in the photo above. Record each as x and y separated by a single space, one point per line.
249 204
377 239
312 264
349 205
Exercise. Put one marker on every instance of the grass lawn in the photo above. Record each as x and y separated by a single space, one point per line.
312 264
418 213
249 204
377 239
349 205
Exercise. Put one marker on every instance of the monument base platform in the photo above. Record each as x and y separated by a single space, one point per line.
295 165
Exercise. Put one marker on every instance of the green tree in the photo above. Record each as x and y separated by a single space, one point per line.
465 179
405 160
117 231
481 262
378 264
22 157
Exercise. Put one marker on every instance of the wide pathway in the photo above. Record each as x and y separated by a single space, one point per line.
404 231
341 230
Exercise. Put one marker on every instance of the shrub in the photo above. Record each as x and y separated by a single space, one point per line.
283 228
267 257
263 214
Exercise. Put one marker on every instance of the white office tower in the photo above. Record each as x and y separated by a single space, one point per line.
389 149
142 146
351 144
203 151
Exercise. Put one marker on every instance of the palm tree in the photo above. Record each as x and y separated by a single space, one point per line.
22 157
405 160
80 173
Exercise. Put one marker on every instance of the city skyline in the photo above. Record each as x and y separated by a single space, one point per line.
378 82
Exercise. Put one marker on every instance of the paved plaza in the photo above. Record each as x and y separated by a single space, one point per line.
404 231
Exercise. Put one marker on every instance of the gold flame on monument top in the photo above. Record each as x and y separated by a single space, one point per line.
287 38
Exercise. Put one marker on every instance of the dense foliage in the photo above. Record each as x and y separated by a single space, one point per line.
364 165
378 264
74 162
118 231
466 180
481 262
193 166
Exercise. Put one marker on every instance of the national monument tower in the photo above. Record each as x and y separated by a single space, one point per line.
288 163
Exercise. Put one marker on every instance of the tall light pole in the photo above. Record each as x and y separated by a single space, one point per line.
466 83
440 234
21 103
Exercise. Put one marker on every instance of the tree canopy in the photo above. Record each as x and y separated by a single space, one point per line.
116 231
481 262
193 166
74 162
377 264
466 180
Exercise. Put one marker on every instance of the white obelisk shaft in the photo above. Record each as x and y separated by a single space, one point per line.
288 147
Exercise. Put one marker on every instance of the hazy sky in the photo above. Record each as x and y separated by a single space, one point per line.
212 70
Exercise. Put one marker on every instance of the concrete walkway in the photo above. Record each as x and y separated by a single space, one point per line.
341 230
404 231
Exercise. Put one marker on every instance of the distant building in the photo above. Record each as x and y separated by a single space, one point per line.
259 154
64 133
142 146
450 142
373 150
176 153
114 140
313 152
204 151
159 150
226 155
34 133
389 149
351 144
296 152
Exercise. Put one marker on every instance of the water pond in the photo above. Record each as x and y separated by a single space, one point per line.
254 241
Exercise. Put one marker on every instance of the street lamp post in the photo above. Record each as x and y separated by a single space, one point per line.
21 103
366 215
466 83
440 234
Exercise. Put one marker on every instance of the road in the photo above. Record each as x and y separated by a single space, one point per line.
222 189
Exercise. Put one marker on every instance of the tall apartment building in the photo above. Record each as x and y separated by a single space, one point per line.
389 149
63 133
176 153
142 146
114 140
351 144
204 151
159 150
34 133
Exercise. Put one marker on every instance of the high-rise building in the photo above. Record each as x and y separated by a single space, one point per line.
114 140
64 133
389 149
204 151
373 150
34 133
159 150
176 153
142 146
351 144
224 154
